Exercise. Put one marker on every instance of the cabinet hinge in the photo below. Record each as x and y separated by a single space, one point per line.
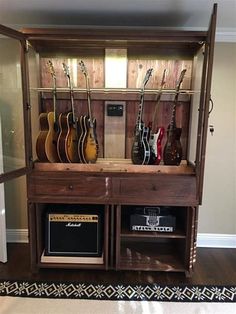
28 106
27 46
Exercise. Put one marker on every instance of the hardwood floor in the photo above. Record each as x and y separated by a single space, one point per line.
213 267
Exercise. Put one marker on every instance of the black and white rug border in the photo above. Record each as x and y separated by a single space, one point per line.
118 292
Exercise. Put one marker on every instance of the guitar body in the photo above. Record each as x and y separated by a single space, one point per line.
82 125
88 145
46 144
140 152
155 146
172 154
67 144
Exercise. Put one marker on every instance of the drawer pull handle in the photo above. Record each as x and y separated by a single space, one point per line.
70 187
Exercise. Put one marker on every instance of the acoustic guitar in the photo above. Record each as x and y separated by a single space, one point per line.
46 143
67 144
140 152
156 136
87 143
172 154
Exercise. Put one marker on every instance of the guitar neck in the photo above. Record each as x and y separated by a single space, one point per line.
89 102
140 111
177 89
55 112
173 118
72 104
71 99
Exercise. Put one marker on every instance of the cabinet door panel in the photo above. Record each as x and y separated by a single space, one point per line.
11 107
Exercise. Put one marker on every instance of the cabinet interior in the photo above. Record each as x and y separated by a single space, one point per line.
131 59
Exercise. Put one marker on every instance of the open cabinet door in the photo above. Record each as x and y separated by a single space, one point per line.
14 116
204 103
3 246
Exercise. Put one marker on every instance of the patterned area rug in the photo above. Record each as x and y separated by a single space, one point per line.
119 292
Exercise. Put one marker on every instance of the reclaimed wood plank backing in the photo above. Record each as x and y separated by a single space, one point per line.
137 68
94 65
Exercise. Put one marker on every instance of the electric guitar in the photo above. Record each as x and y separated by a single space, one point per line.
46 144
140 152
67 144
155 138
172 154
87 143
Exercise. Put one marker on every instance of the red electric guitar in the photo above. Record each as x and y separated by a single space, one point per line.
155 138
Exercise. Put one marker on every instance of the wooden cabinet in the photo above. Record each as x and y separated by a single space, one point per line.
113 181
163 251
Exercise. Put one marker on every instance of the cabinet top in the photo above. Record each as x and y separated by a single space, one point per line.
136 33
114 36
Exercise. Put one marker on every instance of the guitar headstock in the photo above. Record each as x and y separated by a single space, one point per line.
83 68
85 72
147 77
66 69
51 68
180 80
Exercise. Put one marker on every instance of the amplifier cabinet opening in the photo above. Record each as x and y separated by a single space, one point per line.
74 230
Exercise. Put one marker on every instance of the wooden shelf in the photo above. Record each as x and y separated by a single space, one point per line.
116 165
143 256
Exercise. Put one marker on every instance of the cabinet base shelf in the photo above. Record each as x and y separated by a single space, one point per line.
142 257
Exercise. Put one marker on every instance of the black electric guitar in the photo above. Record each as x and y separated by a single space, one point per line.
140 153
87 142
67 144
172 154
156 135
46 144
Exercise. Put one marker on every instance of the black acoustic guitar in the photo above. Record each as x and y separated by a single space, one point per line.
172 154
140 153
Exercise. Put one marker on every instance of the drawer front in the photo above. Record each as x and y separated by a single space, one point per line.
162 190
82 186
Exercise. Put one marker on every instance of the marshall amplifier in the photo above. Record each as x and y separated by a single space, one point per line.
152 219
77 233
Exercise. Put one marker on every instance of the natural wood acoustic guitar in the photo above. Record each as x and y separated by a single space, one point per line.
46 143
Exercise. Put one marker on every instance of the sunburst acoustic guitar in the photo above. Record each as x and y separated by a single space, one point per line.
67 144
87 144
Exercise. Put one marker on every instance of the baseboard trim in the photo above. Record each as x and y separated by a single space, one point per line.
17 236
203 239
216 240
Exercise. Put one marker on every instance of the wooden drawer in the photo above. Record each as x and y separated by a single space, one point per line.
162 190
60 186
